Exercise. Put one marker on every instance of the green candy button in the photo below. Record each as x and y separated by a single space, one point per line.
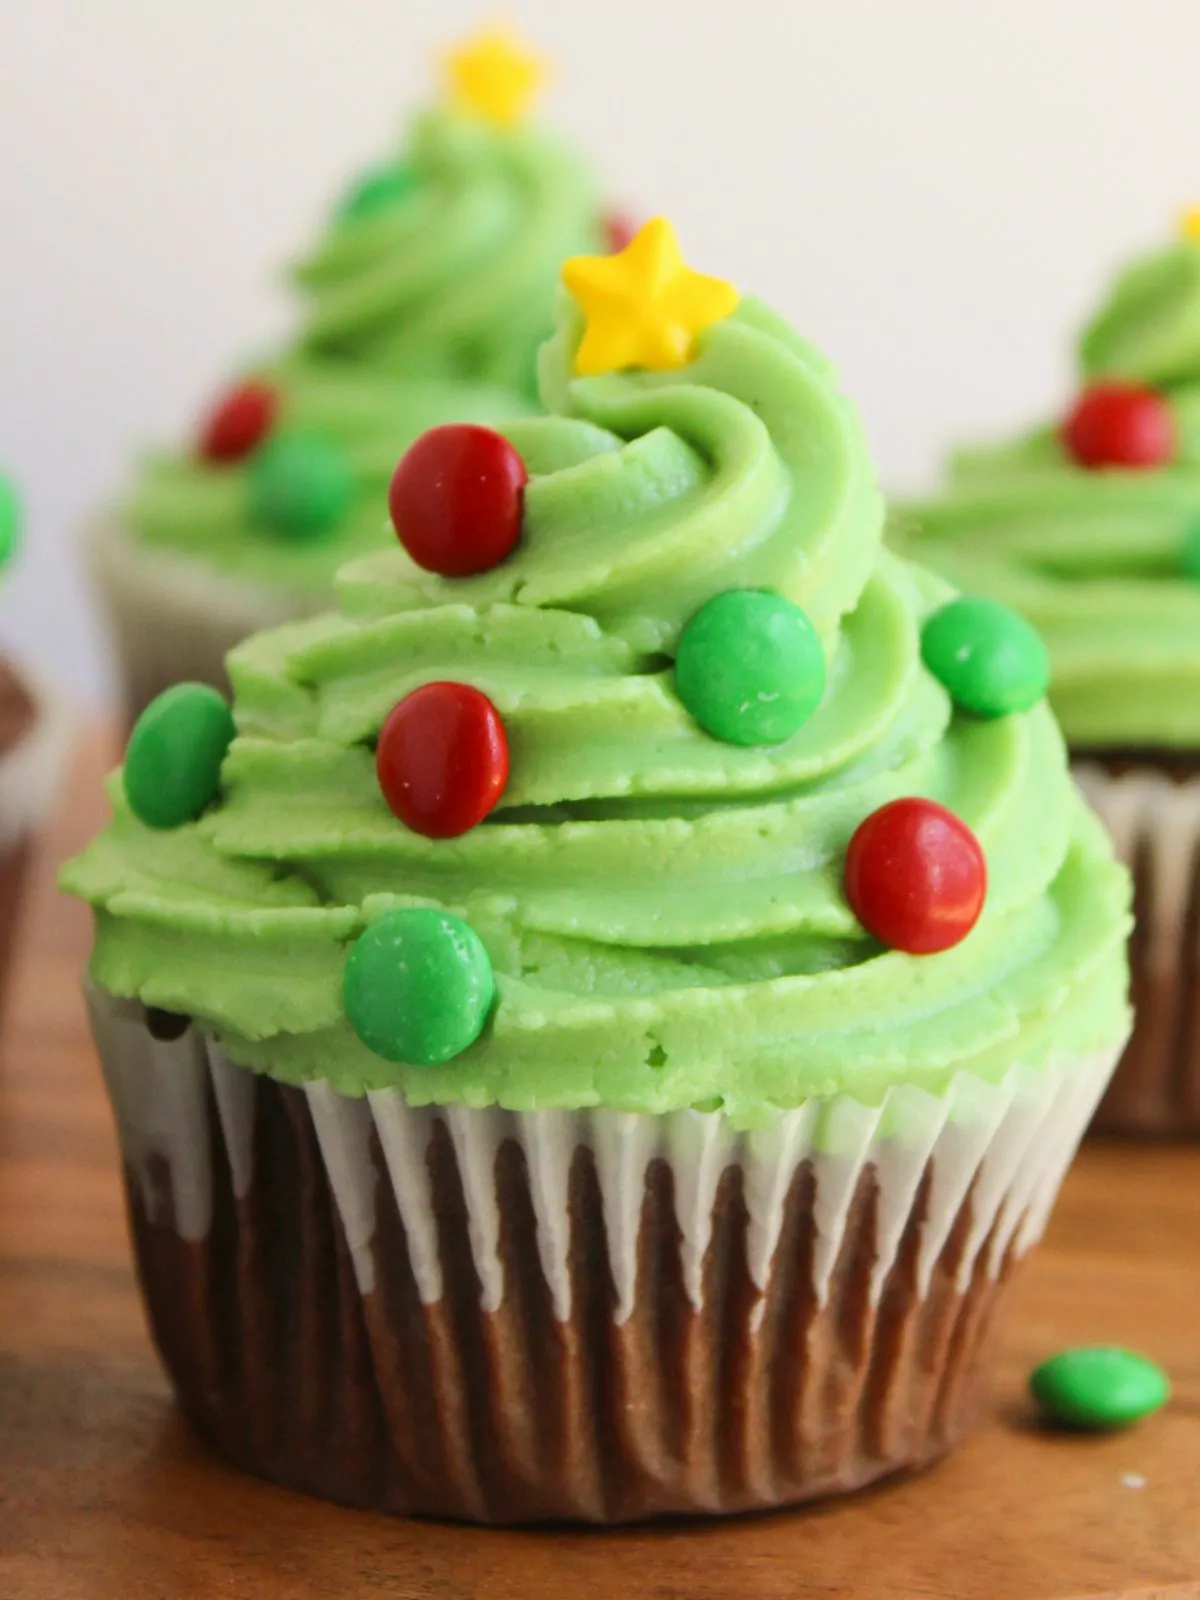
750 668
1099 1388
377 190
10 520
989 659
300 486
173 762
418 987
1190 554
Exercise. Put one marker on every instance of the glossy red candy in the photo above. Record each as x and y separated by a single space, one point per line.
916 876
620 231
442 759
1120 425
457 499
239 422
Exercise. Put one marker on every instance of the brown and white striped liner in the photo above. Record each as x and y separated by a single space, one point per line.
592 1315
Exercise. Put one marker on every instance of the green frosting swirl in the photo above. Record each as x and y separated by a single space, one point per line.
1095 558
425 302
664 912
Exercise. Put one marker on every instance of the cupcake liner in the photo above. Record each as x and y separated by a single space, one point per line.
592 1315
1153 816
174 620
30 771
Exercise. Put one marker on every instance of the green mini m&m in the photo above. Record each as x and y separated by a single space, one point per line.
377 190
10 520
750 668
1189 556
418 986
1099 1387
173 762
300 485
990 660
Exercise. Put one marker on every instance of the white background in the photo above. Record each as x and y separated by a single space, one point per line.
933 190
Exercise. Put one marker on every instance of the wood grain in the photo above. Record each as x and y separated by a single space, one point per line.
103 1496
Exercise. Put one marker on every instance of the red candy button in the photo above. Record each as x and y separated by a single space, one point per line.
916 877
1120 425
620 231
442 759
457 499
239 422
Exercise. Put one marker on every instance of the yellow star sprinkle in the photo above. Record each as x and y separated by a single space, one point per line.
1189 225
495 76
645 306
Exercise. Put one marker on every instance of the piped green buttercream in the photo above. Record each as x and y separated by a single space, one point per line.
663 912
423 307
1097 560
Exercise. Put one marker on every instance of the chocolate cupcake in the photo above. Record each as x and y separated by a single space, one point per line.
599 1040
424 302
1091 528
33 737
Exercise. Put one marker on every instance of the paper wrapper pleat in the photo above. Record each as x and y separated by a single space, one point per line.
1153 816
591 1315
30 772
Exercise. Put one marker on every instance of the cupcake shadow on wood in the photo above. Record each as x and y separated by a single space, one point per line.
1091 528
631 1091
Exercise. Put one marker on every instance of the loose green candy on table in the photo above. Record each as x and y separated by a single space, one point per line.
750 668
418 986
301 485
173 761
1099 1387
987 657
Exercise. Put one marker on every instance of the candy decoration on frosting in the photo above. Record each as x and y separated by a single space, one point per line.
750 668
10 520
644 306
915 876
442 759
990 660
239 422
301 486
1189 556
495 76
1120 425
619 231
418 986
457 499
377 190
1099 1388
173 761
1189 225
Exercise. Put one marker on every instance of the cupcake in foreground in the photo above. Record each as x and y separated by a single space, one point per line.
425 302
597 1039
1091 528
32 747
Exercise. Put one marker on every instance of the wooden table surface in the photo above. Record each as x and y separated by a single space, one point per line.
103 1494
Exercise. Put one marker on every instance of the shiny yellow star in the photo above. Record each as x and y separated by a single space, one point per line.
495 76
1189 225
644 306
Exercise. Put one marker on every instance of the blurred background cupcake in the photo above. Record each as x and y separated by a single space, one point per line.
424 302
33 738
1090 526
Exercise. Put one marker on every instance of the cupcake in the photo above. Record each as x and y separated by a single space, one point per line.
595 1030
1091 528
32 746
425 302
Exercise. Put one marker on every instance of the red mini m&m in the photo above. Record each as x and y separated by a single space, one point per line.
457 499
1120 425
239 422
619 231
442 759
915 876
